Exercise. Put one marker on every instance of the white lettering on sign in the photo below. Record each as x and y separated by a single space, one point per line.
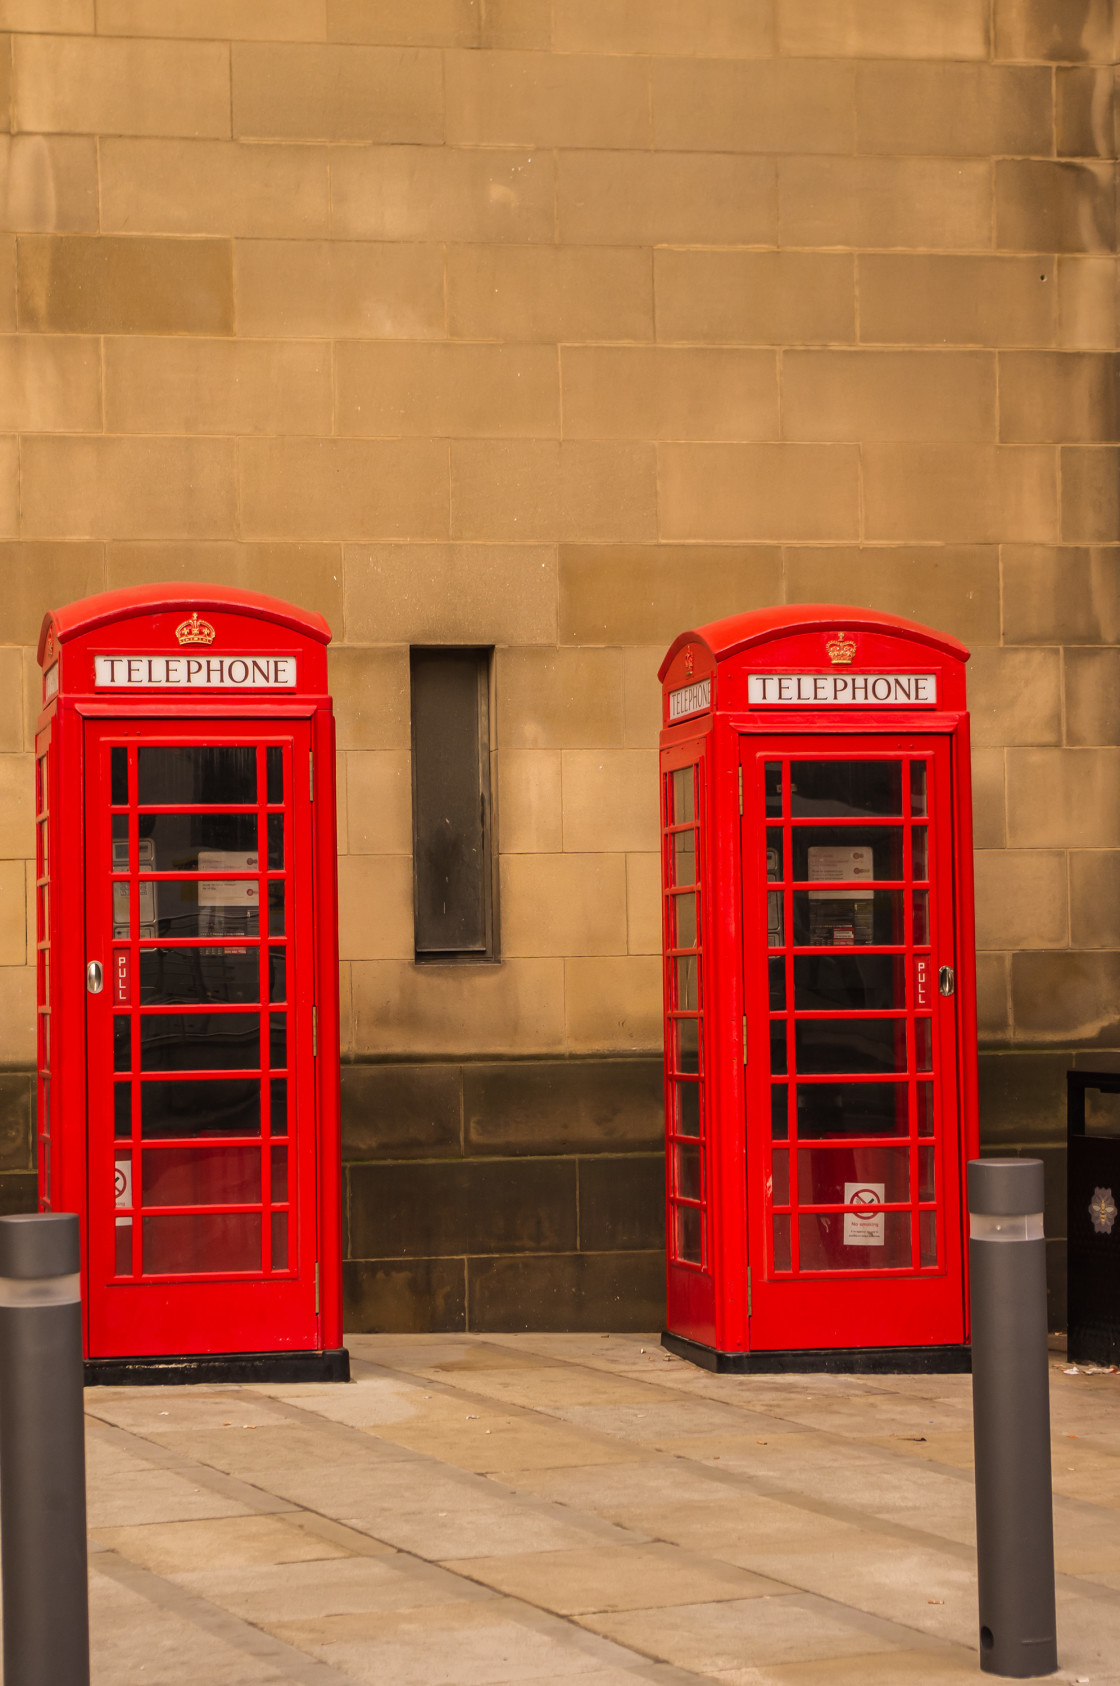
865 1228
182 673
690 699
833 690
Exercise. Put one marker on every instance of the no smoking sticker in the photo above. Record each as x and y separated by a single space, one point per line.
865 1228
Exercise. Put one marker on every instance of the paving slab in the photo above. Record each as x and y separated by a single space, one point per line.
485 1510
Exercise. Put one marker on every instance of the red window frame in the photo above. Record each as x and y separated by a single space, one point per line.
259 1309
688 1159
795 1304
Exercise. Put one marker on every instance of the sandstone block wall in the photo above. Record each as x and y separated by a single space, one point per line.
555 326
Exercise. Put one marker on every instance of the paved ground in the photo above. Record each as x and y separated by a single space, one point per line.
569 1508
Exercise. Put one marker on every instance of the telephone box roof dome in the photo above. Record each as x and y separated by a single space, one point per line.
759 626
106 607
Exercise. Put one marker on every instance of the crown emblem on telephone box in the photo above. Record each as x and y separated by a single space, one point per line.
195 631
840 649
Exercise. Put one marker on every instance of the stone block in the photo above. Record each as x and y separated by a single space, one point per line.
1066 997
771 492
622 1203
643 904
1062 396
610 799
375 911
529 813
378 802
959 493
1063 596
95 85
217 386
993 999
576 1291
563 1106
1090 494
665 392
344 488
76 487
403 389
954 588
338 289
19 1192
558 699
1015 696
404 1296
760 298
17 1121
1092 696
440 23
969 109
50 384
38 577
772 105
516 24
533 491
923 29
17 823
898 395
1023 1099
546 99
641 697
1082 806
1087 302
934 298
371 697
441 1208
7 283
46 17
442 193
1022 899
17 1018
9 488
400 1112
11 691
1084 124
940 202
222 20
337 93
1052 31
549 293
1094 895
1042 206
646 594
117 285
709 29
658 198
402 1009
563 904
613 1003
48 184
989 799
14 914
213 187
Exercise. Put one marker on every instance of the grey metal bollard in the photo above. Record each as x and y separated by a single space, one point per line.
1011 1418
42 1453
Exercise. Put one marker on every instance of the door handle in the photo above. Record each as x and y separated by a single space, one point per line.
94 978
946 980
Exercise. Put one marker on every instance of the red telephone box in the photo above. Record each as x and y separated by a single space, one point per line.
820 1023
188 981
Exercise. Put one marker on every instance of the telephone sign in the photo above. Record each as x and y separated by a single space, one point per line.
188 979
820 1031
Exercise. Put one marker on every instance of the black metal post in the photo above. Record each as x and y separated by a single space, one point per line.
1011 1418
42 1453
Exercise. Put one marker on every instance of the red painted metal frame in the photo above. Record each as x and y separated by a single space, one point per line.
713 1306
144 620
